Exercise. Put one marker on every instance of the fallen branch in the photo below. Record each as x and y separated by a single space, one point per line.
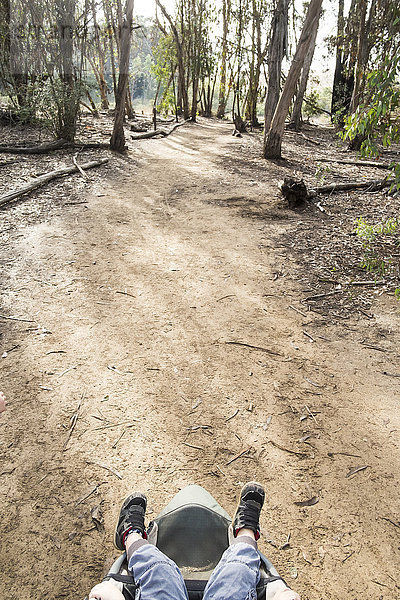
41 149
39 181
162 132
357 163
311 141
371 186
295 191
51 146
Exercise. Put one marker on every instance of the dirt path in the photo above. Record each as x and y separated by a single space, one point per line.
131 300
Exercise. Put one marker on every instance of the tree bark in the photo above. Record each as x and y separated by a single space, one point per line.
273 139
117 141
297 120
224 49
363 50
69 101
100 53
277 51
341 82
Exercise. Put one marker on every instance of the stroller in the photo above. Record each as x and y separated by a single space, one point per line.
192 515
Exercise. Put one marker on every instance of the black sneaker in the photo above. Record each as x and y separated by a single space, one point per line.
248 511
131 516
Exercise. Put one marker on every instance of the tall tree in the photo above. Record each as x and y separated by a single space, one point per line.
183 97
276 53
258 53
296 119
117 141
69 97
343 81
223 96
101 59
273 139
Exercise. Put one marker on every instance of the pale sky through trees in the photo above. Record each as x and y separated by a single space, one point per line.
324 61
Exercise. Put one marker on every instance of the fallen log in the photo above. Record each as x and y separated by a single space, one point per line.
146 135
162 132
51 146
357 163
371 186
39 181
41 149
295 190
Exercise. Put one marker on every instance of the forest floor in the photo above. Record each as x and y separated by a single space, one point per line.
169 321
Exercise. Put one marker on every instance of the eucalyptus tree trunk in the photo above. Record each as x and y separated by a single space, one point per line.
342 86
68 101
117 141
182 75
223 96
236 112
111 34
363 50
276 53
273 139
100 54
296 120
197 9
5 42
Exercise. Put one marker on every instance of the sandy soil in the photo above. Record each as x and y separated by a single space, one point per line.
131 303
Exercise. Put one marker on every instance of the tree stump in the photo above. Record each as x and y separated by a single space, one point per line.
294 191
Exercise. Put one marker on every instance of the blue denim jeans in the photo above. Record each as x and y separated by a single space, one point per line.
234 578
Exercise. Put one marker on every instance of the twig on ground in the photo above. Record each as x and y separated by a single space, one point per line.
273 352
298 311
67 370
311 414
16 319
74 420
238 456
119 439
116 425
81 171
352 472
86 496
318 296
125 294
224 297
193 446
287 449
309 336
390 521
106 467
232 416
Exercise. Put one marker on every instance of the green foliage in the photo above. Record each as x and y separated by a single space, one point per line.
321 172
380 242
164 64
55 104
377 119
312 106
